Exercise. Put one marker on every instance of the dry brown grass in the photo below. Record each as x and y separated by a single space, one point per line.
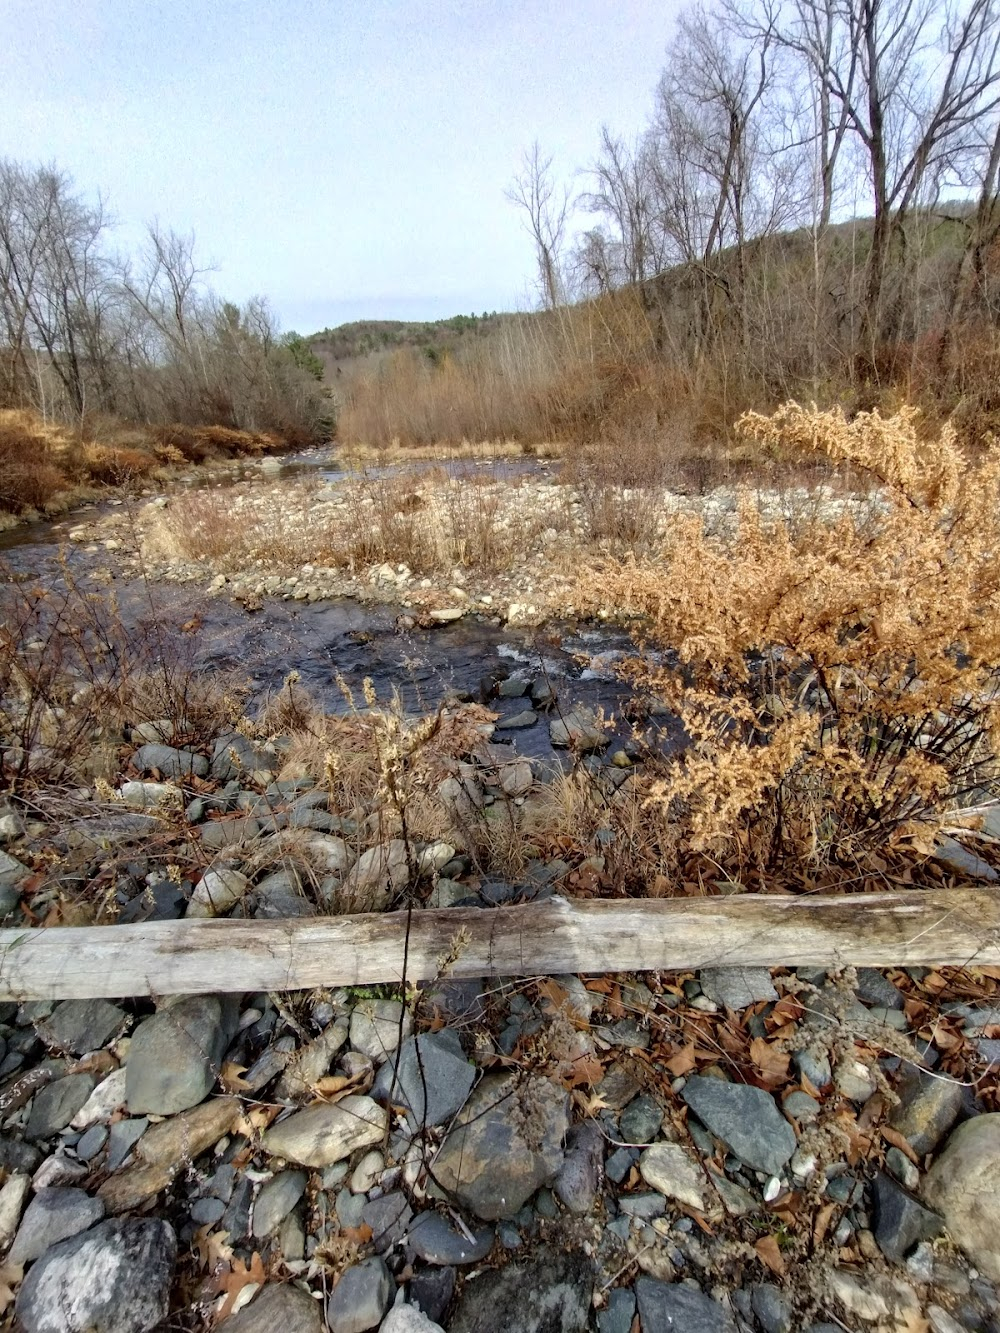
837 680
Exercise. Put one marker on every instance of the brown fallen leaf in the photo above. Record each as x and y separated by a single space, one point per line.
770 1255
238 1277
770 1061
229 1077
894 1137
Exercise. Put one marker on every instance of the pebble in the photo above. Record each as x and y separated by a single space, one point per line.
53 1215
277 1197
174 1055
378 1026
323 1134
641 1120
737 987
361 1297
675 1173
55 1106
278 1308
578 1179
436 1241
928 1107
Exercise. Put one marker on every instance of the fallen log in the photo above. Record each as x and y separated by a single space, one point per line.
922 928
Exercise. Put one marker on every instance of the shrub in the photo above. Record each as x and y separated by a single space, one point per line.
29 474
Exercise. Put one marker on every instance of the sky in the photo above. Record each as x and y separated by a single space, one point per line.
346 158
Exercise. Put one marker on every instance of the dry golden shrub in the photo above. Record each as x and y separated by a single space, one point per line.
837 676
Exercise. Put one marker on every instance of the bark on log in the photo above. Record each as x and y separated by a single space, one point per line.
923 928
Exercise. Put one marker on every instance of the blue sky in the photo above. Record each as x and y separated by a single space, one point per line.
348 160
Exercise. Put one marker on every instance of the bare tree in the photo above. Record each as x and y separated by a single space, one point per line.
545 207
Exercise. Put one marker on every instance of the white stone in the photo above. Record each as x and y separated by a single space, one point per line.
217 892
671 1169
105 1099
12 1198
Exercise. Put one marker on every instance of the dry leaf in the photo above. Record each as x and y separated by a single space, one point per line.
683 1062
238 1277
894 1137
823 1218
772 1063
360 1235
229 1077
769 1253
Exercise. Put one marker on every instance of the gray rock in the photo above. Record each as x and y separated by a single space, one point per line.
55 1106
175 1055
746 1119
322 1134
217 892
900 1220
433 1078
874 988
378 1026
550 1293
736 987
12 871
361 1297
579 1178
952 854
278 896
620 1311
527 717
277 1197
169 761
801 1107
91 1143
431 1290
579 729
645 1206
771 1308
675 1173
79 1026
53 1215
505 1143
389 1218
963 1185
122 1138
349 1208
641 1119
233 755
928 1107
206 1212
278 1309
675 1307
10 899
813 1066
436 1241
115 1278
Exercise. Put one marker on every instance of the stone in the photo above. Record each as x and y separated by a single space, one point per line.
550 1293
404 1318
900 1221
873 1297
963 1186
774 1314
444 615
579 1178
368 1172
737 987
80 1026
115 1278
308 1065
580 730
801 1107
952 854
322 1134
504 1144
377 1026
433 1079
12 1196
55 1106
279 896
175 1055
928 1107
278 1308
361 1297
184 1137
217 892
130 1189
378 873
875 989
618 1314
277 1197
169 761
519 721
53 1215
232 831
103 1101
675 1307
675 1173
150 795
746 1119
641 1120
122 1138
431 1290
388 1217
436 1241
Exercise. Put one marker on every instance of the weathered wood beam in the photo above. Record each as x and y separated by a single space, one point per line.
933 927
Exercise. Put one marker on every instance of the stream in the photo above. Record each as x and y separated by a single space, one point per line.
344 637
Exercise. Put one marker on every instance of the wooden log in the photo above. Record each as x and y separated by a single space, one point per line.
922 928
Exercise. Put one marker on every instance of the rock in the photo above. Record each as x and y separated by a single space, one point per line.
438 1242
963 1186
322 1135
377 1026
900 1221
367 1173
122 1138
234 756
746 1119
641 1120
675 1307
527 717
928 1107
579 1178
53 1215
620 1311
278 896
130 1189
403 1318
230 832
516 778
772 1309
875 989
310 1063
12 1196
505 1143
184 1137
579 729
79 1026
278 1308
217 892
277 1198
388 1217
956 857
171 762
176 1054
672 1170
874 1297
433 1078
55 1106
431 1290
115 1278
103 1101
736 987
551 1293
379 873
12 871
150 795
360 1298
444 615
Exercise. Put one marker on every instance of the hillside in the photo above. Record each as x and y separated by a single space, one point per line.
348 343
